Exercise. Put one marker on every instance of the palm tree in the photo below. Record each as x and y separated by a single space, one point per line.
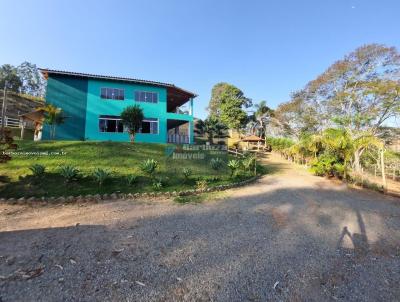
53 116
262 115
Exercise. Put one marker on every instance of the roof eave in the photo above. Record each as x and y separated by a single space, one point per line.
46 72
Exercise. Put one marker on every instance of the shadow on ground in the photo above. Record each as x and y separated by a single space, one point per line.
290 244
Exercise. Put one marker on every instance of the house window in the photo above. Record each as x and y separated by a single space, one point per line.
112 93
149 126
110 123
147 97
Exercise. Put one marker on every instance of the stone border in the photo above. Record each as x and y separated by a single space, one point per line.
118 196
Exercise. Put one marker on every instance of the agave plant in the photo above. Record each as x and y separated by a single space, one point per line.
149 166
187 172
131 179
216 163
233 165
157 185
37 170
69 172
101 175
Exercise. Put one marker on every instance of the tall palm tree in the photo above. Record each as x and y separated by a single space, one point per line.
262 115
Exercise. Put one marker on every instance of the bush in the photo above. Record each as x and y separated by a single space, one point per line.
233 165
216 163
131 179
37 170
69 173
187 172
100 176
339 169
324 165
201 184
149 166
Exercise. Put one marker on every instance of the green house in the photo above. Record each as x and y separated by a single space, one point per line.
92 105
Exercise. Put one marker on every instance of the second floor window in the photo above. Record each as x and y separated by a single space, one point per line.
144 96
112 93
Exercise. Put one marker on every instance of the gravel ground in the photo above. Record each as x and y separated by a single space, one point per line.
289 237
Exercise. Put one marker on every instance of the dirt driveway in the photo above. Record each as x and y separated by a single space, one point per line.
289 237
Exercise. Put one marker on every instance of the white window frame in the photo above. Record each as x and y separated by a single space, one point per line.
101 88
112 119
155 120
145 91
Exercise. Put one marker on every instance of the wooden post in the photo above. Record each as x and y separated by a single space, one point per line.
3 110
22 128
255 163
383 170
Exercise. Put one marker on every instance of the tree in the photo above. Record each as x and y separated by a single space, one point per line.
231 103
9 78
53 117
298 116
132 118
356 94
215 101
263 116
32 80
212 127
219 93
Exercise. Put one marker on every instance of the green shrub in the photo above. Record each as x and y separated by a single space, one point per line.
216 163
101 176
233 165
149 167
339 169
131 179
37 170
212 178
69 172
201 184
187 172
248 162
324 165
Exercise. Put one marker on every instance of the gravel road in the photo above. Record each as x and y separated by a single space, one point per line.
289 237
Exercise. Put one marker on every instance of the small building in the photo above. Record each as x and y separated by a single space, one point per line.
92 105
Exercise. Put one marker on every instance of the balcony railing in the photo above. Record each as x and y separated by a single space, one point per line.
185 109
178 139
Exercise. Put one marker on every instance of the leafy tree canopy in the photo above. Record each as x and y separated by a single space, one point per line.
132 118
26 78
228 103
9 78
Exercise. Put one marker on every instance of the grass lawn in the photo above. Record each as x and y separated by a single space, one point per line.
121 159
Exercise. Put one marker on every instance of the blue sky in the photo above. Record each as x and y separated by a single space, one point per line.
266 48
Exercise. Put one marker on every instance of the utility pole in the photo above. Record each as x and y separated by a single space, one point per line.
3 111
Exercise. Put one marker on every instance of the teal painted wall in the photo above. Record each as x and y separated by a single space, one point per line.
97 106
68 93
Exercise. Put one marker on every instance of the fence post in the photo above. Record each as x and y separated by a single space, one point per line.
383 170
